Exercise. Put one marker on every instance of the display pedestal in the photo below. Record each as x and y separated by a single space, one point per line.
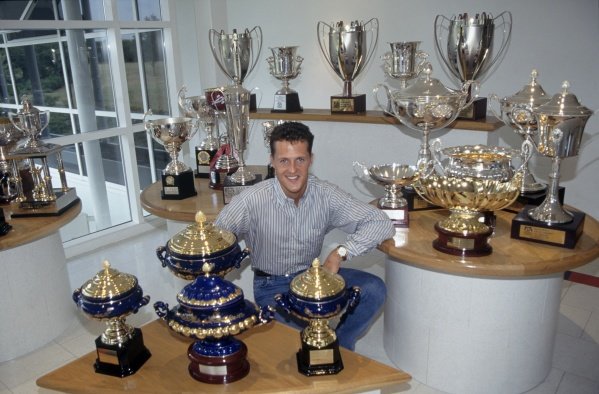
564 235
313 361
122 359
348 104
179 186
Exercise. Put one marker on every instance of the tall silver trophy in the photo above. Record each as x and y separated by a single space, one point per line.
348 48
561 124
467 44
197 107
237 53
402 61
285 65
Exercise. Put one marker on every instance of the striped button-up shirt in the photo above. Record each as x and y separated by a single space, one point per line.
284 238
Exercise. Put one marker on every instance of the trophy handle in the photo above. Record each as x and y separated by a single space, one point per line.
11 117
493 98
375 92
441 27
505 23
212 39
161 309
470 89
436 148
77 296
143 302
161 253
183 103
266 314
374 37
421 58
519 109
322 43
244 253
353 301
148 124
257 32
283 301
361 171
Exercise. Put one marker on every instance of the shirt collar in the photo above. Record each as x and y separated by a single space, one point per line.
282 198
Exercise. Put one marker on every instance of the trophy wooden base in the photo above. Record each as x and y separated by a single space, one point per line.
399 216
415 202
313 361
231 189
475 111
218 369
64 200
287 103
457 244
564 235
178 187
123 359
203 159
348 104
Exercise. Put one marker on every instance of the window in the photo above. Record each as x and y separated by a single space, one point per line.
97 66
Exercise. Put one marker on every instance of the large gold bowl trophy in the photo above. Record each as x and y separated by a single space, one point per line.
177 177
466 43
347 49
316 296
474 180
561 123
111 296
41 199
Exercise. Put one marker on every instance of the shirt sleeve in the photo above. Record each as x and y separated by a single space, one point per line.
234 217
366 225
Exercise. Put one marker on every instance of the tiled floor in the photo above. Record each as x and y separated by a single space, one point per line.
575 361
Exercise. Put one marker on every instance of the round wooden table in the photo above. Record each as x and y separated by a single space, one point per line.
476 324
34 285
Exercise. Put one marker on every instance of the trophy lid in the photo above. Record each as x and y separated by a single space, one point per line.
425 85
532 93
317 283
209 291
564 104
201 238
108 283
28 107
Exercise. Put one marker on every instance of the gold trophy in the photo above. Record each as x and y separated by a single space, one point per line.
317 295
474 180
177 178
111 296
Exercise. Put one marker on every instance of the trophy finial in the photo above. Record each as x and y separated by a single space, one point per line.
106 265
533 76
316 263
200 217
565 87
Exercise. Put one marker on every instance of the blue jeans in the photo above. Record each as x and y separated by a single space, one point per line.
372 298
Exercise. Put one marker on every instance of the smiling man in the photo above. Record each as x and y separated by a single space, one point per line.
284 221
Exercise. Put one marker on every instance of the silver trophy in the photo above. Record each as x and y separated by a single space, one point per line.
285 65
466 44
402 61
172 133
348 48
522 122
237 107
10 136
394 177
236 53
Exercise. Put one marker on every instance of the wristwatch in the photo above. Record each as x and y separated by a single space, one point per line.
342 252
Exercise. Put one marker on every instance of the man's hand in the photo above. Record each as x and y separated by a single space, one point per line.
333 262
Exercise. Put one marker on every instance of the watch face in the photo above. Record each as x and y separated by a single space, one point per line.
342 251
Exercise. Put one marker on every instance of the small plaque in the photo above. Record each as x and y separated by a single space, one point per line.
324 356
563 234
399 217
287 103
348 105
203 159
231 189
179 186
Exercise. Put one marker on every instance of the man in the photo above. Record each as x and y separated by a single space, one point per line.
284 221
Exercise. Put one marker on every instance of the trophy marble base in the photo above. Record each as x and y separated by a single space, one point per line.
475 111
122 359
231 189
29 208
313 361
415 202
203 159
399 216
218 369
4 227
287 103
457 244
564 235
348 104
178 187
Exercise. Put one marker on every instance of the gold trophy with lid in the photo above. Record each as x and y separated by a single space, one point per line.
318 295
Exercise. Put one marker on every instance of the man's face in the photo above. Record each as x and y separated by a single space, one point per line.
292 162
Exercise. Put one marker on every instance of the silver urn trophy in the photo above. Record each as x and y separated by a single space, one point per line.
470 44
347 48
285 65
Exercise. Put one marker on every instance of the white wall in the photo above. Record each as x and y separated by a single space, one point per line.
559 38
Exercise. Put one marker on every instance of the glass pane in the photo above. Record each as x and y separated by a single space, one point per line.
159 155
148 79
95 169
149 10
44 9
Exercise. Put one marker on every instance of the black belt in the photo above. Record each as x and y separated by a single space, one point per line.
266 274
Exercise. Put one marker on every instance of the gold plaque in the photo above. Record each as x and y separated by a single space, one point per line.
461 243
543 234
324 356
342 104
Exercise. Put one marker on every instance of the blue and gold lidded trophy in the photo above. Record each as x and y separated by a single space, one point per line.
347 48
110 296
211 309
177 178
316 296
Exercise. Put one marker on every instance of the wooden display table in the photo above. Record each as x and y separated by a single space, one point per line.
34 285
476 324
273 369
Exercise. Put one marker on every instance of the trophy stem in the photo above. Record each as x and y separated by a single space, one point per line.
117 331
318 333
551 211
347 89
424 155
